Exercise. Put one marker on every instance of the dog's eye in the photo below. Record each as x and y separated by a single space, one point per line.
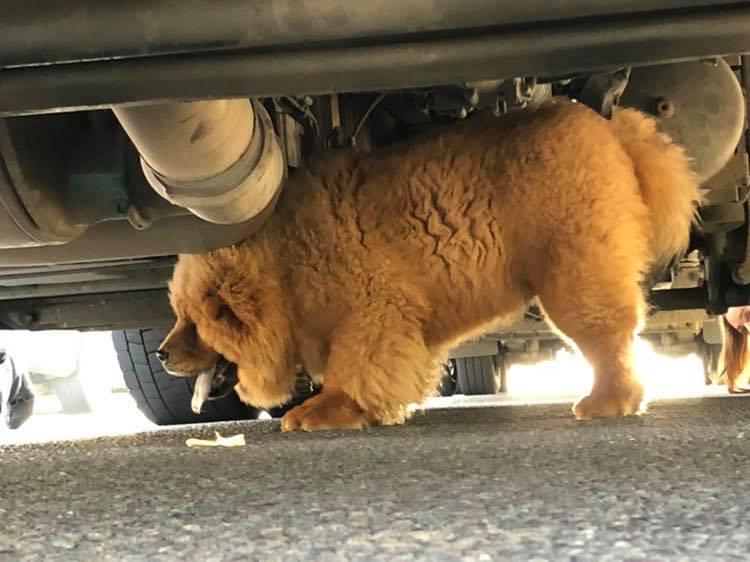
223 312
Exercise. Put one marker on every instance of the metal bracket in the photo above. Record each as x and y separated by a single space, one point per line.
602 92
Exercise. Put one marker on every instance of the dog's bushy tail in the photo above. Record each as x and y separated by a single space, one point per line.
668 186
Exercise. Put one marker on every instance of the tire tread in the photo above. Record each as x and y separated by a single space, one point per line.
477 375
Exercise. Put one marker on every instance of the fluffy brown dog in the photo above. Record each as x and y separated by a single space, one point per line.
374 264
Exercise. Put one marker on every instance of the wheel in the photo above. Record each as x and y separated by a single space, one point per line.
448 383
479 375
165 399
70 393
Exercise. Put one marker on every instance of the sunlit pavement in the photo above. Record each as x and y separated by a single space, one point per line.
115 414
121 417
556 382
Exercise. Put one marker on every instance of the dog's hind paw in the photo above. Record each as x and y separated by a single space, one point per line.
622 400
328 410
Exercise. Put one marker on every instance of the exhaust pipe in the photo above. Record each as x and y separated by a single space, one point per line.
219 159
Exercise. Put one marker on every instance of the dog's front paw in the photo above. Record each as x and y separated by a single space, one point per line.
328 410
620 400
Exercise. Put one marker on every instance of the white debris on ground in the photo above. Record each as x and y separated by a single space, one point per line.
231 441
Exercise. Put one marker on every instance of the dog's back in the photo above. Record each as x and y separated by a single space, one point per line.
474 214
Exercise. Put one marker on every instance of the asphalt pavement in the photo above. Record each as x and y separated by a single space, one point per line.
485 483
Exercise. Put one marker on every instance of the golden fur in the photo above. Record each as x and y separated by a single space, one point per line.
374 264
734 358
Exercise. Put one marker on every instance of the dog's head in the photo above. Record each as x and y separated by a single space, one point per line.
230 323
183 352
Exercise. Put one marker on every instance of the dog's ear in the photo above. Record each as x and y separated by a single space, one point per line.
236 304
226 314
233 288
215 307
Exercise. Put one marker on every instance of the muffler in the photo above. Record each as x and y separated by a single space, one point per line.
220 159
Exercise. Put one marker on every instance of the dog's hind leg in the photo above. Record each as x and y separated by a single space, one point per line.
596 301
378 364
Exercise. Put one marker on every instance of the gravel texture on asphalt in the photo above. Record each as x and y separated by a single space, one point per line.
502 483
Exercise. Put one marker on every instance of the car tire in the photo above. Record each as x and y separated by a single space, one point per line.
479 375
70 393
163 398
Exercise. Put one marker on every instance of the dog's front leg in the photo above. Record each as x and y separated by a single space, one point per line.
378 364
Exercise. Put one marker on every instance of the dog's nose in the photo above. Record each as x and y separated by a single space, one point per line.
162 354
